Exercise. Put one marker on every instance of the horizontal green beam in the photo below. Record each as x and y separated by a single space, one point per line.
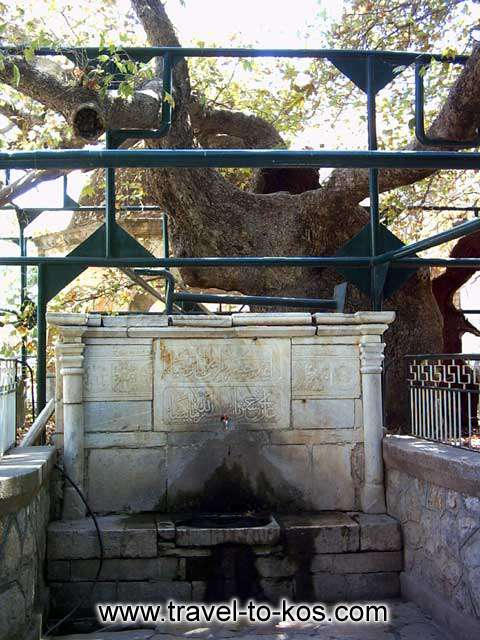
450 263
266 158
83 208
145 53
408 250
249 261
255 300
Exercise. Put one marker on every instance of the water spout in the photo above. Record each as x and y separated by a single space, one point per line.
227 423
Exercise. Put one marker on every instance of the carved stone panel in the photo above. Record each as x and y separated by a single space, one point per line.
118 372
196 382
325 371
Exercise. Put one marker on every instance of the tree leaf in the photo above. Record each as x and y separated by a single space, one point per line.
15 75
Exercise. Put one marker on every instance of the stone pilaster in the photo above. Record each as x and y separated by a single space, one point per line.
371 358
71 370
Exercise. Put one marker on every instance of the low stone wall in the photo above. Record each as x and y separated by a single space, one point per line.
24 517
326 557
140 402
434 491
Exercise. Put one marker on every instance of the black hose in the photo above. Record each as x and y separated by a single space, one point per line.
32 385
32 388
101 559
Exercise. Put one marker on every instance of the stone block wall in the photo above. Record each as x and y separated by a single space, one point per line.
140 401
24 518
328 557
434 491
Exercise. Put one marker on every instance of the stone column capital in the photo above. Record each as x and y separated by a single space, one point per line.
71 334
371 357
71 358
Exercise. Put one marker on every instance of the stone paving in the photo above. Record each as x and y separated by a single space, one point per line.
407 622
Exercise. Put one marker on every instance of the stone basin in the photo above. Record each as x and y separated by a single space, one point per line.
214 529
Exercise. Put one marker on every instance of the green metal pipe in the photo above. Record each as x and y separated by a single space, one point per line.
166 251
364 262
408 250
23 294
117 136
151 158
255 300
83 208
420 132
109 201
249 261
147 53
450 263
169 284
166 245
41 340
375 295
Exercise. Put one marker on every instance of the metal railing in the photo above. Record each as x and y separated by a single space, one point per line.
37 431
8 403
444 398
370 71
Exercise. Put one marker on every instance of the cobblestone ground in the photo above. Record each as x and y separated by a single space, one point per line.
407 622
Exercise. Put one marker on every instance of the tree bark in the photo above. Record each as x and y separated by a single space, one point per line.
290 214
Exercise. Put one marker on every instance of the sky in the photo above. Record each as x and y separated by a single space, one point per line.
265 23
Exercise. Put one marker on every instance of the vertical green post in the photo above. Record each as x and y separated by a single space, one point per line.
375 291
109 203
166 245
166 254
41 339
23 294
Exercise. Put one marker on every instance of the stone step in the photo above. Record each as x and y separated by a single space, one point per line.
407 622
326 556
149 535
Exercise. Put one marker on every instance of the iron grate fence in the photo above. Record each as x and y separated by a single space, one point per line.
444 398
8 404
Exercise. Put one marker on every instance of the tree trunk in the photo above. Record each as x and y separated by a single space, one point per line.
290 213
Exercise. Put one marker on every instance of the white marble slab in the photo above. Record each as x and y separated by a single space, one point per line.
360 317
333 482
125 480
196 382
118 372
325 371
137 440
275 331
140 320
314 413
269 319
117 416
200 320
59 319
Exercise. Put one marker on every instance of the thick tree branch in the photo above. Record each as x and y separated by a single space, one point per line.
44 87
22 119
255 132
26 183
161 32
84 107
156 23
446 285
458 120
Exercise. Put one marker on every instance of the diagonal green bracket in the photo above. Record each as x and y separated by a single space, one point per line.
383 72
59 276
388 277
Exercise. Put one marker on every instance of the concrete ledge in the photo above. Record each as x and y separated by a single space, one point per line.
23 471
458 625
441 464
